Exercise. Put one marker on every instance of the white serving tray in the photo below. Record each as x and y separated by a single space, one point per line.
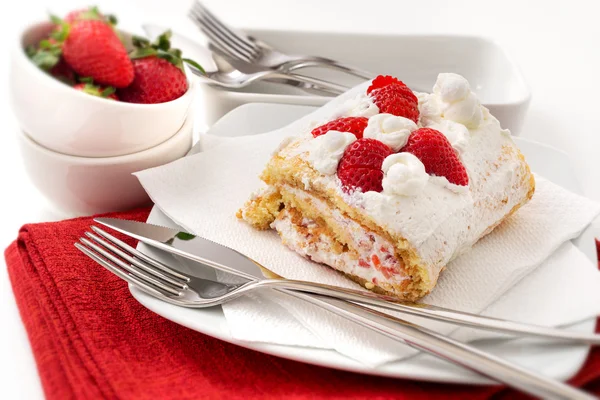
415 59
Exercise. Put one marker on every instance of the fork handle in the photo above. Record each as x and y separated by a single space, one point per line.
433 312
330 86
306 62
449 349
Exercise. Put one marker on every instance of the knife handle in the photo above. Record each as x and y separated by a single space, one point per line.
449 349
433 312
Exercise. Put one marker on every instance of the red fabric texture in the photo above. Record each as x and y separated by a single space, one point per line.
92 340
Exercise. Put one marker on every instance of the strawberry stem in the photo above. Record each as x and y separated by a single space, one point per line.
161 48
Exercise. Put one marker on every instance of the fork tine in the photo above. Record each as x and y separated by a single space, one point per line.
149 269
239 37
218 39
118 272
167 287
138 254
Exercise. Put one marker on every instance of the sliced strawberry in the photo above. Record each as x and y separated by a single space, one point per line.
360 166
354 125
437 155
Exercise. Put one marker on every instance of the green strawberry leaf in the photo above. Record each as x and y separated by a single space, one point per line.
55 20
142 53
161 48
112 19
45 59
86 79
61 34
139 41
108 91
30 50
195 65
164 41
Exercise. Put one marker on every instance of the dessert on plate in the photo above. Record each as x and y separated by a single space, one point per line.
393 185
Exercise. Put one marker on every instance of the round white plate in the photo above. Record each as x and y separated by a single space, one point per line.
557 361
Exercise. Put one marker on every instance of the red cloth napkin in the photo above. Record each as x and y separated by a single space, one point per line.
92 340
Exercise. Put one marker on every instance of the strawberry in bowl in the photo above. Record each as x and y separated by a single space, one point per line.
82 87
85 47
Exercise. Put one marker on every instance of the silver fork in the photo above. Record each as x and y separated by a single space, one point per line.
219 71
239 45
167 284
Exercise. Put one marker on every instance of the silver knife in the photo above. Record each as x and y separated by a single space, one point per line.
223 258
228 260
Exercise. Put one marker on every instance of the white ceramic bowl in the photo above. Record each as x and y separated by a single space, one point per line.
415 59
92 185
71 122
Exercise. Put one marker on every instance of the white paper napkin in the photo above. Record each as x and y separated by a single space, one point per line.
203 192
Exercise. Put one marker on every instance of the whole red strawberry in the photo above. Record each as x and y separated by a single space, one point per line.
156 81
437 154
360 166
159 73
93 49
354 125
392 96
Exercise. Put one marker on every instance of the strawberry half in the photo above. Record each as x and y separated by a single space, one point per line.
437 155
354 125
93 49
392 96
360 166
159 74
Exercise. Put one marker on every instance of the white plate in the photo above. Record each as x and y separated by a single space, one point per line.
558 361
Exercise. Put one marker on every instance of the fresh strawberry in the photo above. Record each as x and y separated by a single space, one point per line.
382 81
437 154
89 13
360 166
156 81
63 72
105 92
159 74
392 96
93 49
354 125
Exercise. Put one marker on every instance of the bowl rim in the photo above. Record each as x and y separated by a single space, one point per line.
187 129
21 56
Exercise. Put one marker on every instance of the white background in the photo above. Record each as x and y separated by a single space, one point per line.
556 43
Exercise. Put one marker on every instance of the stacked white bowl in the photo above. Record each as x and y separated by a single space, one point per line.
80 150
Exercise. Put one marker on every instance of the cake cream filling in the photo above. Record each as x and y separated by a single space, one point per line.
365 254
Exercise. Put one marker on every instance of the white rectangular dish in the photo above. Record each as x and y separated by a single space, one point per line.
415 59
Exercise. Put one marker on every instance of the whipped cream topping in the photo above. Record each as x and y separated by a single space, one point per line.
404 175
325 151
390 129
442 220
360 105
452 99
457 134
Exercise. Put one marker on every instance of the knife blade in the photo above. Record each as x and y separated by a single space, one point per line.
192 247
